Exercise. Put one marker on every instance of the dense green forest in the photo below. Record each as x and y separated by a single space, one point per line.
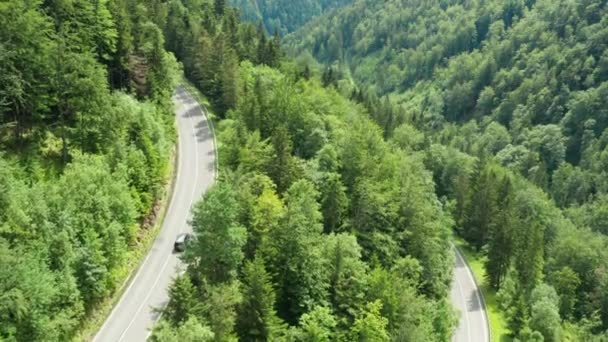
508 101
86 132
344 172
284 16
319 229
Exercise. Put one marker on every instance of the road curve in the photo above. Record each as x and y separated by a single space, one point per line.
467 298
135 314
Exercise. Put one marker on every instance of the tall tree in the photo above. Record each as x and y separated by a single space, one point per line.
334 201
217 250
296 257
257 319
282 168
544 316
219 6
482 207
347 277
229 81
268 211
182 300
500 240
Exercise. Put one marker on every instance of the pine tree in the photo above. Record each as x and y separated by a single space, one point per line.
219 6
334 201
482 208
228 82
182 301
214 75
262 54
274 50
529 253
328 78
282 168
296 255
257 319
500 241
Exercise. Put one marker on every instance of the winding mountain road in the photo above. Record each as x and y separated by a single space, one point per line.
467 298
135 314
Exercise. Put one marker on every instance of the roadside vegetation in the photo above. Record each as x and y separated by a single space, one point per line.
86 135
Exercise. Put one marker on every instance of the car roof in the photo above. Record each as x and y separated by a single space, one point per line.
181 237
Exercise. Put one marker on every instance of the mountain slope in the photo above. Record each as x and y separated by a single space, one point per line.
511 98
285 16
523 65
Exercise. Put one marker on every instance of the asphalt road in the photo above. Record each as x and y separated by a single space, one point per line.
135 314
466 297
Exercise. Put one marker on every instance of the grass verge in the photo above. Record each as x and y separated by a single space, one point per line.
498 324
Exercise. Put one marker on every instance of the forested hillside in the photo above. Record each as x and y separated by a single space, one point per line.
284 16
86 131
508 100
319 229
340 188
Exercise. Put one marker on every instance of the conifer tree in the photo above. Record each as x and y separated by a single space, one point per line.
182 300
282 169
257 319
481 208
500 240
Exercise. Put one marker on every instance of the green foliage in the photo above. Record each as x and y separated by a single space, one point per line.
317 325
182 303
410 316
507 100
83 163
97 205
284 16
221 302
501 238
347 277
483 207
217 251
296 256
323 199
544 316
191 331
334 201
370 325
257 318
479 61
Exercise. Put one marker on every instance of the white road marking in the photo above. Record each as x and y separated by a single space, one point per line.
141 267
466 309
477 289
191 195
168 258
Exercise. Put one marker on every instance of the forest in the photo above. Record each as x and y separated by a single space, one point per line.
86 135
284 16
356 138
319 229
507 100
